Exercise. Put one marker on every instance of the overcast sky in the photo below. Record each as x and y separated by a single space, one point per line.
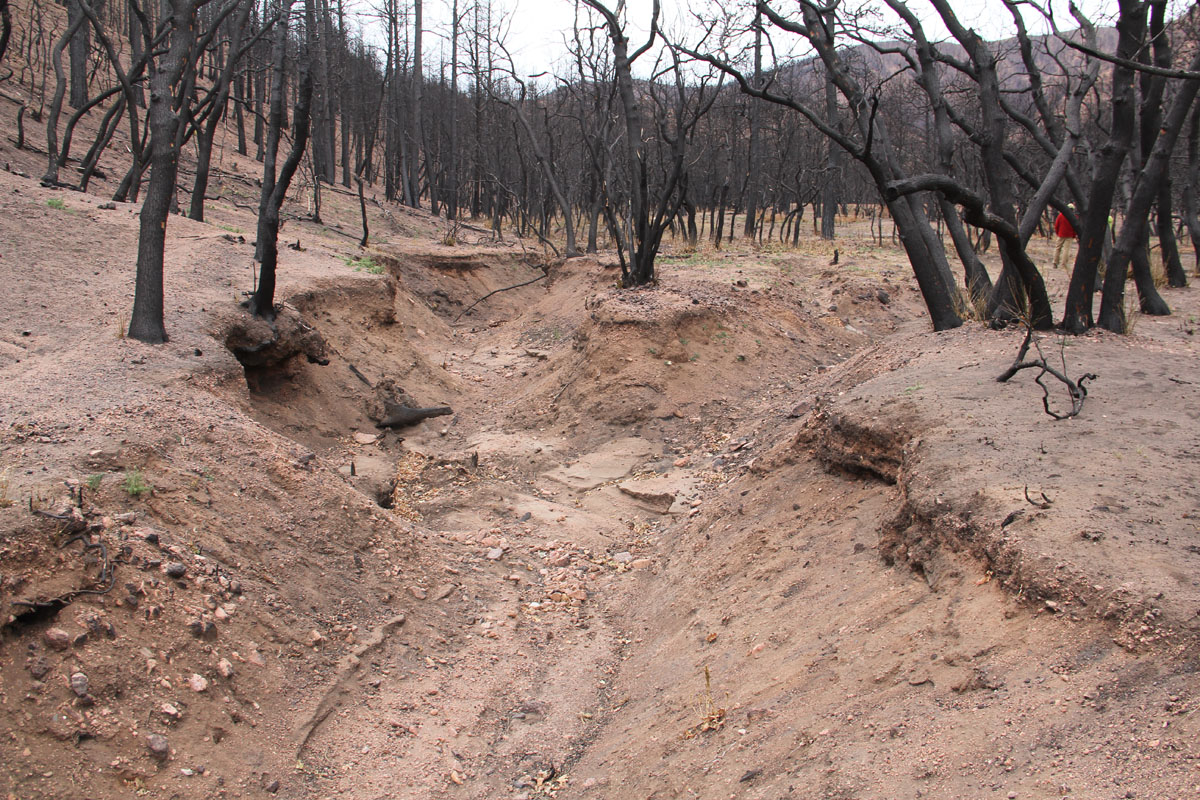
534 30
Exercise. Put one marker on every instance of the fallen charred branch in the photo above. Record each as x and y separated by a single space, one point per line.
399 416
1075 389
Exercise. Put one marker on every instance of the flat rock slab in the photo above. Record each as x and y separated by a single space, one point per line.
615 460
662 493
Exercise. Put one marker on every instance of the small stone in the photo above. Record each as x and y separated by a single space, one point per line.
79 684
495 553
57 639
681 461
315 638
109 206
225 668
444 591
169 711
235 587
38 667
175 569
198 682
158 746
366 438
640 563
623 557
203 629
418 592
272 787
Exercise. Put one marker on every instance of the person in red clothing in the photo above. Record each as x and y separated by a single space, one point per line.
1065 233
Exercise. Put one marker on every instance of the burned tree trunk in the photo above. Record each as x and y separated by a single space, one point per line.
262 304
1133 232
1131 26
146 323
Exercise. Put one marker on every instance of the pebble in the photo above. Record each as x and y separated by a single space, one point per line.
203 629
225 668
170 711
272 787
57 639
175 569
495 553
79 684
158 746
315 637
198 682
38 667
418 592
623 557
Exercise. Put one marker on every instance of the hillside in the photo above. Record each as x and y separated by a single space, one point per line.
753 532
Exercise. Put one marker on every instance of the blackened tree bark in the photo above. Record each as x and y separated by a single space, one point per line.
262 303
1133 232
1191 204
216 112
81 43
1131 28
1019 282
636 238
5 28
874 149
1153 89
60 90
926 68
163 119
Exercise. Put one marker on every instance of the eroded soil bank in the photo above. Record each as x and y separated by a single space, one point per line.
751 533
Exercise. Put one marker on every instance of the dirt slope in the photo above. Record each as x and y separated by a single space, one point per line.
753 532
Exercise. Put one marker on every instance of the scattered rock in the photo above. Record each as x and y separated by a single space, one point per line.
158 746
198 682
623 557
170 712
366 438
203 629
38 667
272 787
225 668
175 569
495 553
57 639
79 684
109 206
418 592
444 591
315 638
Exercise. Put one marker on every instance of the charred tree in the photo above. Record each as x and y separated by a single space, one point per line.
274 190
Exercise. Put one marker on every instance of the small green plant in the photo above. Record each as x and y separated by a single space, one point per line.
135 483
93 481
916 387
364 264
57 204
230 228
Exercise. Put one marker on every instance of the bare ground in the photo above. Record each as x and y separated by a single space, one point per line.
752 533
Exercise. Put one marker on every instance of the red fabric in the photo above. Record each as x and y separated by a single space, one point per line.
1063 228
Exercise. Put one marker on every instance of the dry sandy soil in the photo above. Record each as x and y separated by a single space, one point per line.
754 532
